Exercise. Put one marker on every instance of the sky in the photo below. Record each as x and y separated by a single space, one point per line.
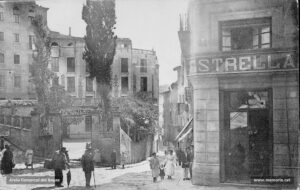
150 24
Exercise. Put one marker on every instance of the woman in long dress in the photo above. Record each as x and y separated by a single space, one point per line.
170 164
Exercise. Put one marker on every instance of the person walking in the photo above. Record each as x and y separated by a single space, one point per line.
123 160
186 164
60 162
179 153
170 164
191 159
162 172
87 165
113 158
154 165
7 162
28 157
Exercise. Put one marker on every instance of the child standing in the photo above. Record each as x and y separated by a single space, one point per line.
162 172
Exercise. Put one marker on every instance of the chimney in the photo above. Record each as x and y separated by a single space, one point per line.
69 31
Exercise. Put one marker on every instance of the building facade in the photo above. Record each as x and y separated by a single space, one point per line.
241 58
16 48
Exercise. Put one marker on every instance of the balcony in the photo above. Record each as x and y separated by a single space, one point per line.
262 60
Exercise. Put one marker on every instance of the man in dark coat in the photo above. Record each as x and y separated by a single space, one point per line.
7 163
113 157
191 159
186 162
88 165
60 162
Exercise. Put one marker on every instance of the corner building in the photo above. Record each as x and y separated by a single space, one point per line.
243 64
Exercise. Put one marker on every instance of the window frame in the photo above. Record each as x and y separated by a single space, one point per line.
17 59
1 16
73 62
17 18
254 23
143 66
123 66
88 120
124 90
17 37
90 87
69 89
2 81
20 79
55 64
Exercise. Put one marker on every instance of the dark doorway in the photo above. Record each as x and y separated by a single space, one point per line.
247 136
144 84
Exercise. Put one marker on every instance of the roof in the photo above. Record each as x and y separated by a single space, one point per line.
57 35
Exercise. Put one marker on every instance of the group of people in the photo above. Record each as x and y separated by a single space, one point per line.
167 167
7 160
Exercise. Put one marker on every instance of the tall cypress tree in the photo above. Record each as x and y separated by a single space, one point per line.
100 46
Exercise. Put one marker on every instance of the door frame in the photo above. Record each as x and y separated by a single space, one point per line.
223 104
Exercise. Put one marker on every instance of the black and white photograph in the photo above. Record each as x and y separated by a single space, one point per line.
149 95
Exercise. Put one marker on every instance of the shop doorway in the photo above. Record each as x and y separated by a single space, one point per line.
247 136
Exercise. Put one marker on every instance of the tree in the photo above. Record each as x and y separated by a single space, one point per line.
139 115
100 44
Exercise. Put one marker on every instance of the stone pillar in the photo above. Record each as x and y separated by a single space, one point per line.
116 130
206 166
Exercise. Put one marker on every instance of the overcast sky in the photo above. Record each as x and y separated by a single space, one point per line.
148 23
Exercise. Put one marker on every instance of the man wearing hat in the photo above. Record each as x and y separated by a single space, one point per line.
87 164
60 162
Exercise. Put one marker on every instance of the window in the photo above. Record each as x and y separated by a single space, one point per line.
1 16
17 18
70 64
124 83
55 64
17 81
1 58
16 59
1 36
245 34
2 81
143 66
31 42
16 121
143 84
89 84
26 122
17 37
88 123
124 65
71 84
1 119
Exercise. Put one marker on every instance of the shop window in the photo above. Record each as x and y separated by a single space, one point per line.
1 36
71 84
248 99
2 81
124 65
55 64
88 123
17 37
143 68
144 84
89 84
17 81
245 34
1 58
71 64
16 59
124 85
247 135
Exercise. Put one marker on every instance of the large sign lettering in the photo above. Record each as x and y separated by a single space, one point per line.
244 63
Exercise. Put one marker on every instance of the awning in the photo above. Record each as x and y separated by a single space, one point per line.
185 134
185 129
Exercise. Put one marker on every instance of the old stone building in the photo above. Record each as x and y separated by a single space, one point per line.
241 57
16 45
